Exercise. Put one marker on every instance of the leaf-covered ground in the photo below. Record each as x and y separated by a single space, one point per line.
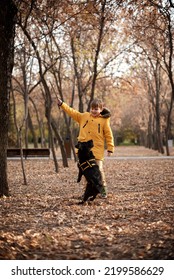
43 221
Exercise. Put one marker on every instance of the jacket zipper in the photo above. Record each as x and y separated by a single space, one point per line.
85 124
98 128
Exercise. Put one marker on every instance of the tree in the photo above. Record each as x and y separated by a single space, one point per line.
152 27
8 13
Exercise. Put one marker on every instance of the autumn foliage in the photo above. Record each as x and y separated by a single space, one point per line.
43 221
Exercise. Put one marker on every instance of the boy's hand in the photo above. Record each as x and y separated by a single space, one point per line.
59 102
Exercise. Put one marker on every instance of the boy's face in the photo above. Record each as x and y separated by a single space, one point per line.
95 111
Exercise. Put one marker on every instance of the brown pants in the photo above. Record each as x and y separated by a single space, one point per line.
100 165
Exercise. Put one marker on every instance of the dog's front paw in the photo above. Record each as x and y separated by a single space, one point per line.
92 198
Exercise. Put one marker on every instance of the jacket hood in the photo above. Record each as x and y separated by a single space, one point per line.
105 113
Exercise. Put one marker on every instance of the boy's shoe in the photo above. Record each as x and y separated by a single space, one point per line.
104 195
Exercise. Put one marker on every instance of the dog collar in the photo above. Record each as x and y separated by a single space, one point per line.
87 164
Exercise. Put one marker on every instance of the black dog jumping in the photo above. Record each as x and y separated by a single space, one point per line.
89 168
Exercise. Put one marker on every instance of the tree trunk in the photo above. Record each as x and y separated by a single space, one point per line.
158 110
95 72
31 127
7 31
15 118
40 126
60 141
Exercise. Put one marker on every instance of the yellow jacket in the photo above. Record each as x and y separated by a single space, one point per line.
96 128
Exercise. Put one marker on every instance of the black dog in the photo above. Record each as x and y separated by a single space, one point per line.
89 168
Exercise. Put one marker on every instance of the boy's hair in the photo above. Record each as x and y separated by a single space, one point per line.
96 103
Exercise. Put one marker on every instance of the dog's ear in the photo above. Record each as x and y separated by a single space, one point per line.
90 144
77 145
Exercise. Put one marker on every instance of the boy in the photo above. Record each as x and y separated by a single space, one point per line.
94 125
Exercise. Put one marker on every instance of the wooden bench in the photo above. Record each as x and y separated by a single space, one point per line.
30 152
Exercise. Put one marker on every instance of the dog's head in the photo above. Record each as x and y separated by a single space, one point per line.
84 148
